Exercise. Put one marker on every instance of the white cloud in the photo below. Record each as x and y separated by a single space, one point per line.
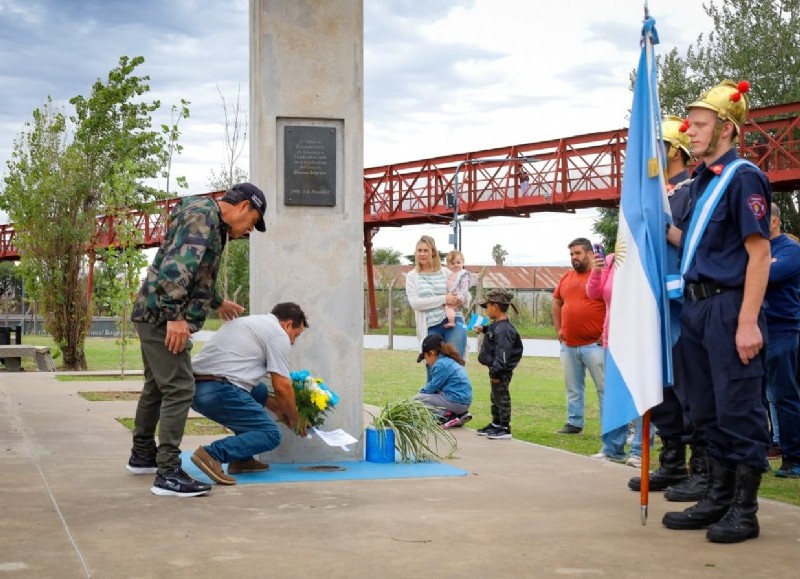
441 77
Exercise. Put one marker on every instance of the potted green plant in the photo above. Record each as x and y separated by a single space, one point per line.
413 429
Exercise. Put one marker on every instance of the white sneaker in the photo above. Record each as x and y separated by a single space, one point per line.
605 458
634 461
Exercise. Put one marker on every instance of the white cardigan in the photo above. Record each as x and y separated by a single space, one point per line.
422 305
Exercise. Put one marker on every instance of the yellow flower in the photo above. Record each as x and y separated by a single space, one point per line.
319 399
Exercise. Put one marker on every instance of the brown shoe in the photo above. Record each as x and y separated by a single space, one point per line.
211 466
249 465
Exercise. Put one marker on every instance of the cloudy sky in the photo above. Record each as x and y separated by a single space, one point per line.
441 77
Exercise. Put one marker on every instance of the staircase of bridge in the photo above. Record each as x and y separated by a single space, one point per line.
557 175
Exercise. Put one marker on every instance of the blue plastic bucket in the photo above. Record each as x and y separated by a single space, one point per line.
380 445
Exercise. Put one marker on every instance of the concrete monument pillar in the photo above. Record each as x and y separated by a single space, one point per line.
306 153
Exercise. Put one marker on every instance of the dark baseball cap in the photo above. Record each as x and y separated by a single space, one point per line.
257 201
431 342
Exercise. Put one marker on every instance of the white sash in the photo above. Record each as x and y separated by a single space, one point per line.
697 227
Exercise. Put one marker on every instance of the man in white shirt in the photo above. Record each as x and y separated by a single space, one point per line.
229 389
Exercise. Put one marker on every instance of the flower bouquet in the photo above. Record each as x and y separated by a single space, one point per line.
314 399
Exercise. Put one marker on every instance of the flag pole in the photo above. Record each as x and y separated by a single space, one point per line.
644 488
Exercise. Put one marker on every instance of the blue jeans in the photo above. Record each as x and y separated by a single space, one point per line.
575 361
614 443
636 445
456 336
242 412
782 380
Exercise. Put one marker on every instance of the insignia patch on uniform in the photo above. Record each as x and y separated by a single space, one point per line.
716 169
758 205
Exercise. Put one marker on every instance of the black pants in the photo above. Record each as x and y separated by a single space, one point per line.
725 396
671 417
501 401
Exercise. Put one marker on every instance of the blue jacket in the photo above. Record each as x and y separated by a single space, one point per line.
782 300
450 378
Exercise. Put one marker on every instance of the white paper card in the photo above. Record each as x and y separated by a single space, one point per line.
336 437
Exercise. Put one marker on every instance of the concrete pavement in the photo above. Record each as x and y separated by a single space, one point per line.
69 508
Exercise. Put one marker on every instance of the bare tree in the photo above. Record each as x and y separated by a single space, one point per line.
235 139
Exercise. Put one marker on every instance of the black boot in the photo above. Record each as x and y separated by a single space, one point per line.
712 507
740 522
671 467
692 488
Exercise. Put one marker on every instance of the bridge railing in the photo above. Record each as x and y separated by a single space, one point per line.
579 171
556 175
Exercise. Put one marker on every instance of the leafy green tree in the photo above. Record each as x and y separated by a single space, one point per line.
10 279
606 227
233 280
757 40
65 173
386 256
44 199
10 287
239 272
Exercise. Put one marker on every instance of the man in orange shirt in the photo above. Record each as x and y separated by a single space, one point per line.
578 321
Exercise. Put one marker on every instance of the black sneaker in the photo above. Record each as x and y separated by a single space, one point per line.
142 465
570 429
499 433
485 430
178 484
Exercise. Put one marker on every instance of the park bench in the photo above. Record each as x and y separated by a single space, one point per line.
12 357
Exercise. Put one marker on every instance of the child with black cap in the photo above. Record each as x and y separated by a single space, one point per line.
501 351
448 391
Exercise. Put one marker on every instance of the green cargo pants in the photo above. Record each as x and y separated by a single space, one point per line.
166 398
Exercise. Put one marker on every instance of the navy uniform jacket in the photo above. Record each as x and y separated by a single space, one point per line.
679 205
742 211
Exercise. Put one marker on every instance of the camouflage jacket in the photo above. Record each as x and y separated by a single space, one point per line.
181 282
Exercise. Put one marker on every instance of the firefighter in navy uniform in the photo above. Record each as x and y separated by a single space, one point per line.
671 417
725 261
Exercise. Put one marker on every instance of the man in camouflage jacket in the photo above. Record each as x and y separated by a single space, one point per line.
173 302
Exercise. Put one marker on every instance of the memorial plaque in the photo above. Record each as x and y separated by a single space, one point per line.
310 166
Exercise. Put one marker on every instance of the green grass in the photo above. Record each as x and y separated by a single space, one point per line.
537 393
110 377
194 426
538 406
110 395
526 330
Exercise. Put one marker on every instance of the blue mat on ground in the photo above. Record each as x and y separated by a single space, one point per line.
332 471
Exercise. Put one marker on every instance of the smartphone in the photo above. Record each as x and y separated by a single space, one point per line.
598 250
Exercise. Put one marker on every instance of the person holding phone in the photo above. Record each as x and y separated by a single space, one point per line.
598 286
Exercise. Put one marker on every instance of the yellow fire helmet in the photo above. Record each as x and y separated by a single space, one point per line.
672 133
728 99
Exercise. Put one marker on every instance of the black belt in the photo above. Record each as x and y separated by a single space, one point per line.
701 291
210 378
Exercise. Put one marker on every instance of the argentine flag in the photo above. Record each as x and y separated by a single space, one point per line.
477 320
638 360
